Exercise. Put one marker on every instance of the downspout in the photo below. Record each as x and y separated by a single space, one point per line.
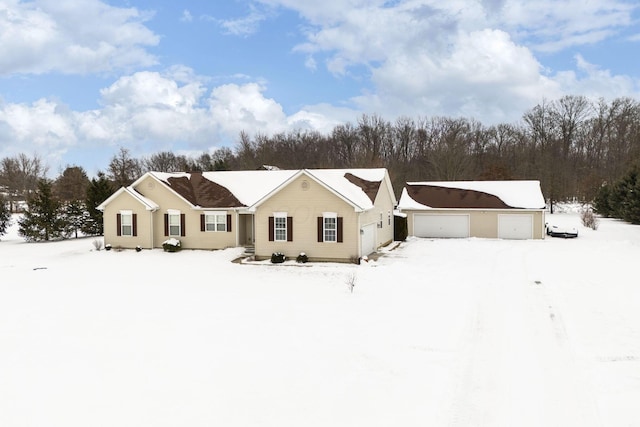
359 236
151 225
237 215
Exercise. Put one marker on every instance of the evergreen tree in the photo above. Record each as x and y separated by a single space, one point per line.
622 199
602 202
629 191
74 215
5 216
98 191
42 220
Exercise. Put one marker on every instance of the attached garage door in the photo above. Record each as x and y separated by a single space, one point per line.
515 226
368 239
433 225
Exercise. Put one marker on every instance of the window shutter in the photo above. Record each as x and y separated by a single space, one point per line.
119 225
166 224
134 226
320 229
289 229
202 222
271 237
228 223
183 232
339 231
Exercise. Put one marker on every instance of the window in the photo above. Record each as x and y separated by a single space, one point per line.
280 228
330 227
126 223
174 223
215 221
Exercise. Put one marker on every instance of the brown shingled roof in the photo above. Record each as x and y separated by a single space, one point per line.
199 191
370 188
444 197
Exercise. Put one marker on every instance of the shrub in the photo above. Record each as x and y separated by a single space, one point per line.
107 247
171 245
138 248
277 258
589 219
302 258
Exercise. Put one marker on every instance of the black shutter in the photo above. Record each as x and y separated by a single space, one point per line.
320 229
339 231
182 225
289 229
202 227
166 224
271 229
134 225
119 225
228 223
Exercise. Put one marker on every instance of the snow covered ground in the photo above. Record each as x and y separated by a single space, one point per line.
435 333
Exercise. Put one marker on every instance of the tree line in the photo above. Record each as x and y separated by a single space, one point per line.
572 145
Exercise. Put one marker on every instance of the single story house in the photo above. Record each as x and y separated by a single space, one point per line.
329 214
488 209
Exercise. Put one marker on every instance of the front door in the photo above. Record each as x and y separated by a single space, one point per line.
246 230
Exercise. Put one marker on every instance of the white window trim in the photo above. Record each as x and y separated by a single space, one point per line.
215 214
123 215
174 213
276 216
329 215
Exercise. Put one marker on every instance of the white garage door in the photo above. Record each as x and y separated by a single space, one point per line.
433 225
515 226
368 239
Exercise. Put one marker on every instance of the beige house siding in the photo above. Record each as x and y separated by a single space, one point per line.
304 203
147 221
381 215
483 223
304 199
143 219
193 238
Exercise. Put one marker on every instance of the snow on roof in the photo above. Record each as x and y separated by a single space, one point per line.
251 186
524 194
335 179
149 204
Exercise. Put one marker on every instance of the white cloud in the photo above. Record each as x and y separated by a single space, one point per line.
245 26
72 37
594 82
186 16
244 107
461 57
149 112
551 26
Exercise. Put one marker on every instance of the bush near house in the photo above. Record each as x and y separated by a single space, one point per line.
277 258
171 245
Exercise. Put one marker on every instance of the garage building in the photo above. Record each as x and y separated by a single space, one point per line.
486 209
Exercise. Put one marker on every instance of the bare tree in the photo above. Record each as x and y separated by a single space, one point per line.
71 185
19 176
123 169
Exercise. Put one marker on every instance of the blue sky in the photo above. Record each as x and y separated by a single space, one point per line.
81 78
